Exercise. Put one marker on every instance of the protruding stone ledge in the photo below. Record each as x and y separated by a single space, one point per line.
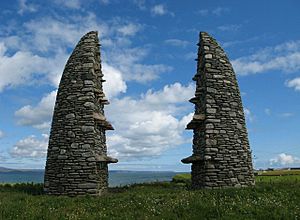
98 92
192 159
195 122
194 100
196 76
99 116
101 97
101 120
106 159
104 101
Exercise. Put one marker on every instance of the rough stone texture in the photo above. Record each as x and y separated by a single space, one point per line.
221 153
77 153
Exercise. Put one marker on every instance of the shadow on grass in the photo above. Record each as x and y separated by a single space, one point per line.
28 188
37 188
158 185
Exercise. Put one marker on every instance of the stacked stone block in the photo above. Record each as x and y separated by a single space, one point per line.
77 161
221 152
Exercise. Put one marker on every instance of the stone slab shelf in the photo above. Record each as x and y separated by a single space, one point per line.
106 159
197 120
192 159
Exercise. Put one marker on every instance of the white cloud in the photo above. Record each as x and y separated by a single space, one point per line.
144 73
41 52
129 62
25 7
284 159
114 82
284 57
104 2
169 94
220 11
38 116
248 114
129 29
73 4
1 134
294 83
177 42
244 41
230 27
203 12
151 124
141 4
190 56
31 147
286 114
49 34
160 10
215 12
268 111
19 67
23 67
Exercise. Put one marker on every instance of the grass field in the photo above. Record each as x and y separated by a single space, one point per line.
278 172
272 198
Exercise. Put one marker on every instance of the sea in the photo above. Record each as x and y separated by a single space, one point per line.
116 178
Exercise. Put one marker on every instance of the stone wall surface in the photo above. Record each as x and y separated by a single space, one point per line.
221 152
77 154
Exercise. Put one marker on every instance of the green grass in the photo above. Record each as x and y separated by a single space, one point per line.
278 172
271 198
182 178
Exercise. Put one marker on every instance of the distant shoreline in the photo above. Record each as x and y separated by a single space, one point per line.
116 177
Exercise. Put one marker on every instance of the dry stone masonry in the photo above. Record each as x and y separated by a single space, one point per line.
77 154
221 153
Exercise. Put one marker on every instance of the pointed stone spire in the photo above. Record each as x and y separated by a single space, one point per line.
221 152
77 154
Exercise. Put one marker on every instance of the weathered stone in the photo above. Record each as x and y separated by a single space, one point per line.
210 142
211 90
76 138
88 82
71 115
211 110
239 126
86 146
87 186
87 128
71 134
208 56
73 145
89 105
220 140
232 114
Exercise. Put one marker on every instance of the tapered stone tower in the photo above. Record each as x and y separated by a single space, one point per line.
77 154
221 153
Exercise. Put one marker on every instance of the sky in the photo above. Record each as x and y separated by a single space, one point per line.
148 49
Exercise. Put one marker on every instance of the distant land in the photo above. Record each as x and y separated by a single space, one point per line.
6 170
116 177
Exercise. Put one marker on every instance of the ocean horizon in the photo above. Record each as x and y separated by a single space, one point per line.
116 177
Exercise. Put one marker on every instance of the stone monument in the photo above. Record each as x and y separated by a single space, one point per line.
221 152
77 161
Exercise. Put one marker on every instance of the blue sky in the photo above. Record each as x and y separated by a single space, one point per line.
148 51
